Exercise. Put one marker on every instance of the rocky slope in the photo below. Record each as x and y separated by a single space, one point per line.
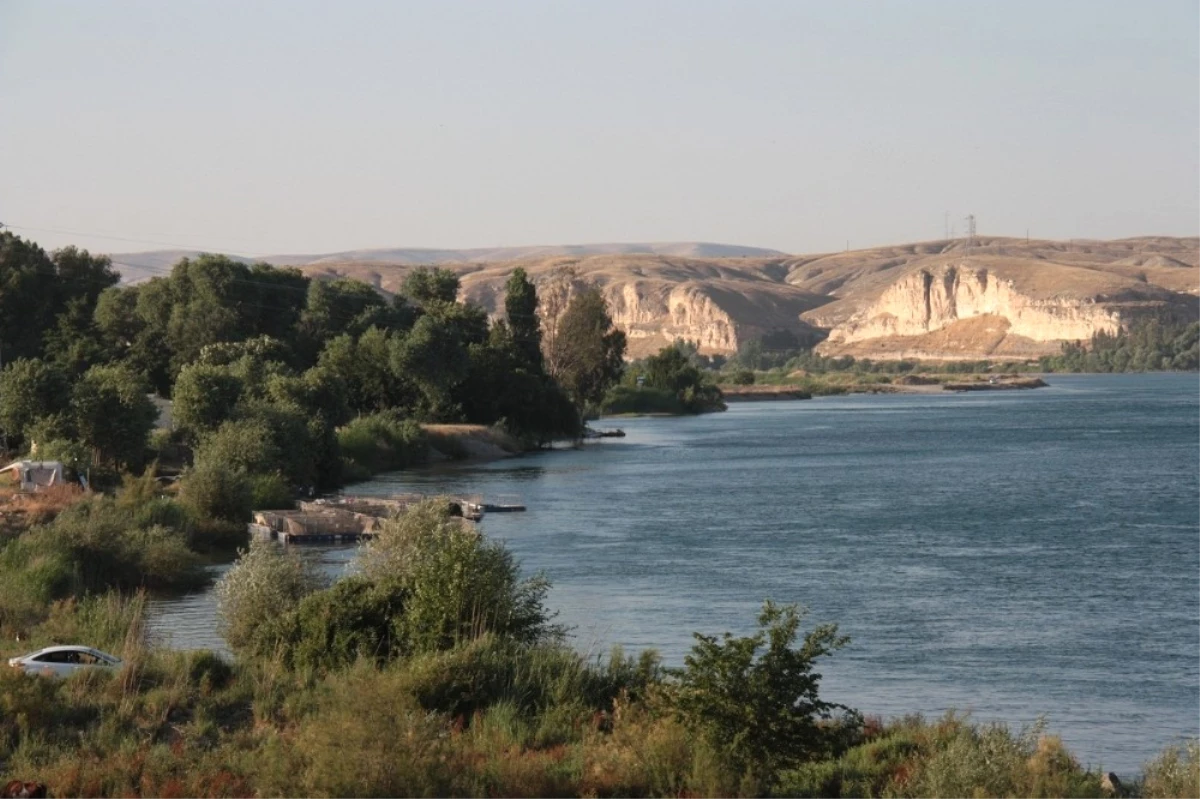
1000 298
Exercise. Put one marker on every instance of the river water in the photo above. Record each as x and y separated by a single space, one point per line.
1011 554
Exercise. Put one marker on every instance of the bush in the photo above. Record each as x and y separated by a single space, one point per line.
1174 773
960 759
457 584
95 545
369 737
759 713
534 680
271 492
245 444
381 443
354 619
631 399
214 491
264 582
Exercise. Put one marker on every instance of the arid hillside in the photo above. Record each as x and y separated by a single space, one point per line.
942 299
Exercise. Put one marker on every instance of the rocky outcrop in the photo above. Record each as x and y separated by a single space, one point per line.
927 300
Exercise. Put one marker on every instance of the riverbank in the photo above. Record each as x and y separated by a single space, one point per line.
469 443
806 386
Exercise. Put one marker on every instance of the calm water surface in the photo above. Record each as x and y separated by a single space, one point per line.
1008 553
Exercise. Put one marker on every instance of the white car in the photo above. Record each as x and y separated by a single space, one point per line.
63 661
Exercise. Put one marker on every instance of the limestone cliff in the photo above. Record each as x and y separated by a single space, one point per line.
1030 308
926 300
1000 298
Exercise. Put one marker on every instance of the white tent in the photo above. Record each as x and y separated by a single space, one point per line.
36 475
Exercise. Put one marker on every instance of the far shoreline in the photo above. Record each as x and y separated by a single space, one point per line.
927 386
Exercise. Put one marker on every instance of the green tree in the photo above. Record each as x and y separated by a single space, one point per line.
424 286
334 307
435 357
672 371
205 396
521 315
113 414
364 368
759 710
30 390
588 351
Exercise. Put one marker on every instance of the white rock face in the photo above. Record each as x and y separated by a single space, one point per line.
681 312
927 300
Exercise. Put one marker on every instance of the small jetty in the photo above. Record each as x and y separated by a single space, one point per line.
504 504
615 432
347 519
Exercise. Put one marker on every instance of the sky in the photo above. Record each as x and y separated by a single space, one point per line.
307 127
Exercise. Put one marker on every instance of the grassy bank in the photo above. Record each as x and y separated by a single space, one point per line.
438 670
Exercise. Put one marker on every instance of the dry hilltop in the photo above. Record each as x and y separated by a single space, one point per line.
999 298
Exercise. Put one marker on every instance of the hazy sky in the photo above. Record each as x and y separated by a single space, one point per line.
318 126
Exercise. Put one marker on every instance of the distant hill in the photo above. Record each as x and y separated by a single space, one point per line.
138 266
1000 297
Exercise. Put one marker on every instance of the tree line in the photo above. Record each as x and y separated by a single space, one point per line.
264 365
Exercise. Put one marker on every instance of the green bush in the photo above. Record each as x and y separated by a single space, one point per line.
458 585
491 671
95 545
381 443
214 491
330 629
271 492
244 444
632 399
369 737
759 712
208 670
960 759
265 582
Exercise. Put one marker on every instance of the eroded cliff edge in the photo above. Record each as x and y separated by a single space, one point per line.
998 298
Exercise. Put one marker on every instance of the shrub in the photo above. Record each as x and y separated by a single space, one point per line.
94 545
1174 773
535 680
758 712
381 443
215 491
245 444
457 584
631 399
369 737
208 670
264 582
333 628
105 621
965 760
271 492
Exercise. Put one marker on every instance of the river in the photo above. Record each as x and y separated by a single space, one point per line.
1011 554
